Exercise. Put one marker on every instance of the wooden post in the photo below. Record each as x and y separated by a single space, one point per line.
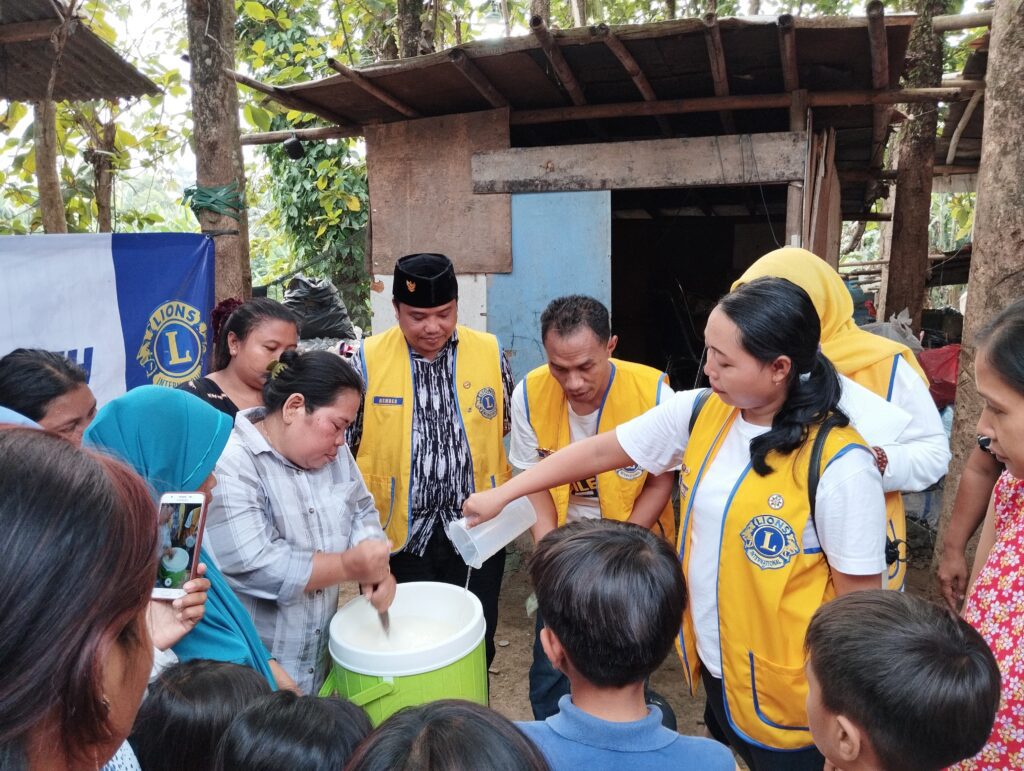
996 278
795 189
211 47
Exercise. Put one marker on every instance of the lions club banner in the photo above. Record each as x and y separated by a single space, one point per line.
129 308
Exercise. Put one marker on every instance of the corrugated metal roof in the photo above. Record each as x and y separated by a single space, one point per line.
89 68
832 53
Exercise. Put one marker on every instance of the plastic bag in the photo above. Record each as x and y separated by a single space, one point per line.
896 328
321 311
941 367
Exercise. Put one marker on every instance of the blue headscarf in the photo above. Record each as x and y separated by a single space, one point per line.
173 440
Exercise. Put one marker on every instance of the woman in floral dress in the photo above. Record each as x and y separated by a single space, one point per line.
995 603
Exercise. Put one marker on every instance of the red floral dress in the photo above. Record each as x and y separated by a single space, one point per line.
996 609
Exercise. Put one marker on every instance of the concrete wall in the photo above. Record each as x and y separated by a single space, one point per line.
472 303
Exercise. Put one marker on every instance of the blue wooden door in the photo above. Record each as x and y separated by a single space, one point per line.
561 244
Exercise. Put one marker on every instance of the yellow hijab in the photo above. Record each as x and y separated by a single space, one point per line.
850 348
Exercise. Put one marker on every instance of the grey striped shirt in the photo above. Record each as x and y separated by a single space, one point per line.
267 519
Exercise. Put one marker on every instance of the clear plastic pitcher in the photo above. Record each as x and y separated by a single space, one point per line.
475 545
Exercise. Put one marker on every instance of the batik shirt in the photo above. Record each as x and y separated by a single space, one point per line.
442 469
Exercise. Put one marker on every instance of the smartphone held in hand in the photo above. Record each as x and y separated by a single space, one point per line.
182 517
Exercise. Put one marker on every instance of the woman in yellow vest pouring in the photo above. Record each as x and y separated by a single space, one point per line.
757 559
919 456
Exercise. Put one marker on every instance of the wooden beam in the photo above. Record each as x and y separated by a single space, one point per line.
744 159
476 78
961 125
879 46
306 134
868 216
719 73
632 67
562 69
958 21
787 53
554 54
744 102
32 31
372 88
868 175
281 96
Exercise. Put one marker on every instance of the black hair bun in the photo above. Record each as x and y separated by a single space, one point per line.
289 357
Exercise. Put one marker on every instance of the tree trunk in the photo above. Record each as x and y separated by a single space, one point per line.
754 8
915 160
211 48
102 160
409 27
542 8
51 202
579 12
997 272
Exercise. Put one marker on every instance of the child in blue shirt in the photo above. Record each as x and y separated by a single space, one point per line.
612 596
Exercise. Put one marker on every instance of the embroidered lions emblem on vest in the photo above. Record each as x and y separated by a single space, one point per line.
769 542
629 473
486 402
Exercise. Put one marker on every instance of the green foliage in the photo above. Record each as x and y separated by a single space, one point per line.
147 132
317 213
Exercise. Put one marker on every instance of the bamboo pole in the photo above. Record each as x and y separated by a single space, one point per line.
633 69
476 78
307 134
958 21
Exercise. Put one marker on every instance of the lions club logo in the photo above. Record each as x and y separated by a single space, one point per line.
769 542
629 473
486 403
174 344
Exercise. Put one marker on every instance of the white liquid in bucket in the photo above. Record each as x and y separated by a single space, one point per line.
407 633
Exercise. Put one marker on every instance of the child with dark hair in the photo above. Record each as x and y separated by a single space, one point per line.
611 595
447 735
187 710
897 684
286 731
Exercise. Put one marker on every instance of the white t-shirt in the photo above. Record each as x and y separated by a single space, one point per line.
849 518
523 451
908 427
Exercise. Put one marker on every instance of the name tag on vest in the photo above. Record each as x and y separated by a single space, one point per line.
388 401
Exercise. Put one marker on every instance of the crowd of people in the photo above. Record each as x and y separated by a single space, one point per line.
779 578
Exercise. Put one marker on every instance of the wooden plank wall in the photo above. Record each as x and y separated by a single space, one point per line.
421 193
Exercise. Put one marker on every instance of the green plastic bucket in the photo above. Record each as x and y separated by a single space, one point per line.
436 650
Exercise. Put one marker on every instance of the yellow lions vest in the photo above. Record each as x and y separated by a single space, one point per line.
632 390
385 451
880 378
769 586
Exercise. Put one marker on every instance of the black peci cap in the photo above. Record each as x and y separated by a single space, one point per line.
425 280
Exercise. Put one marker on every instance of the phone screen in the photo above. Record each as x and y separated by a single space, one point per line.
181 519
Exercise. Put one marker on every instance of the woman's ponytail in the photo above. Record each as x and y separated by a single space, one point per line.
813 396
777 318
